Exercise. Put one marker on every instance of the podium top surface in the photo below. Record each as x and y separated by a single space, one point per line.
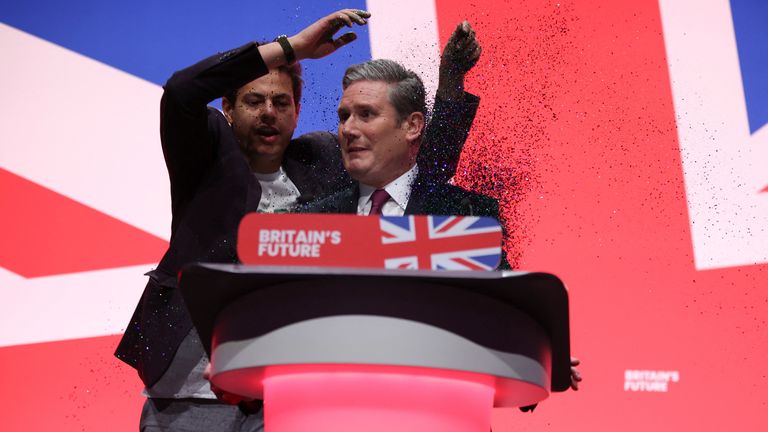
208 288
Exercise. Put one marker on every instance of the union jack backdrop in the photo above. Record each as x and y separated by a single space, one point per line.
626 141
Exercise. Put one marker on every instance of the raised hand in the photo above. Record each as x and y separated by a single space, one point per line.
317 40
459 56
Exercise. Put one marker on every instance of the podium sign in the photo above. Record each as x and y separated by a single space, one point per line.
392 242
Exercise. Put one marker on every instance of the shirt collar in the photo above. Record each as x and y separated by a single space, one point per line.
399 189
269 177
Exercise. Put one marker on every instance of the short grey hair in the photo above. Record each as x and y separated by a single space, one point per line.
407 94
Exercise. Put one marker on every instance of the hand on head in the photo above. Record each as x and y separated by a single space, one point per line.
317 40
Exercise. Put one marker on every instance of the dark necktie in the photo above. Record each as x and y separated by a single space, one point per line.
378 198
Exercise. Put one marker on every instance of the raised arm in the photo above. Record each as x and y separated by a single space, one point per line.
188 128
190 146
454 109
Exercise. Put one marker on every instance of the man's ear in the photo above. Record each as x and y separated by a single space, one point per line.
414 126
227 107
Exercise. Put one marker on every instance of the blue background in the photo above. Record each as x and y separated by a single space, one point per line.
750 21
152 39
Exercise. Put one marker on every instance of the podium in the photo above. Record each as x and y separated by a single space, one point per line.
342 349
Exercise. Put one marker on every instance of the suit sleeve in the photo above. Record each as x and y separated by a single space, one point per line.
189 131
445 135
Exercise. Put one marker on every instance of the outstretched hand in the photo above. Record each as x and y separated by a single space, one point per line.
459 56
575 374
317 40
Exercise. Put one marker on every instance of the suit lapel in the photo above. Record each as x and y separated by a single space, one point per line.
418 202
415 202
254 194
300 177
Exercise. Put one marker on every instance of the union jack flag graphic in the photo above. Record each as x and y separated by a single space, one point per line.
440 242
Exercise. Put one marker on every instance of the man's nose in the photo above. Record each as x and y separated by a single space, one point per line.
267 111
348 130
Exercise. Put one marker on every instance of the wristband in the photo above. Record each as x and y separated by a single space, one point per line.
290 55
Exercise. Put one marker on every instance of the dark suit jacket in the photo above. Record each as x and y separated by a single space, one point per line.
426 198
212 188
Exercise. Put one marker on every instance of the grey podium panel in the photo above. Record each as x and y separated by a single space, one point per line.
377 340
510 325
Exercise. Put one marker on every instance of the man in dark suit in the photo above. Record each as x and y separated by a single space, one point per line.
222 166
381 126
381 121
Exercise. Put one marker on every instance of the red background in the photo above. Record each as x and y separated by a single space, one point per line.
584 90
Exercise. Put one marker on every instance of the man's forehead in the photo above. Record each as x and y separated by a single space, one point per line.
366 92
275 82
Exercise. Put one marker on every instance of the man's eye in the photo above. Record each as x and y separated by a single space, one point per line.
343 117
364 114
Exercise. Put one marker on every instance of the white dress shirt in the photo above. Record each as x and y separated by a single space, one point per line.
399 192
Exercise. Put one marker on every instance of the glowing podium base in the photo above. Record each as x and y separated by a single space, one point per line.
380 350
313 398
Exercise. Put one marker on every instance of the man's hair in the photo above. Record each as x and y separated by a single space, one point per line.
297 82
407 94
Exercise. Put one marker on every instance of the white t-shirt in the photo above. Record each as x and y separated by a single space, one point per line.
184 378
278 193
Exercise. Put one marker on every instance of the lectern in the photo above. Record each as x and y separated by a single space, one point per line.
335 349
